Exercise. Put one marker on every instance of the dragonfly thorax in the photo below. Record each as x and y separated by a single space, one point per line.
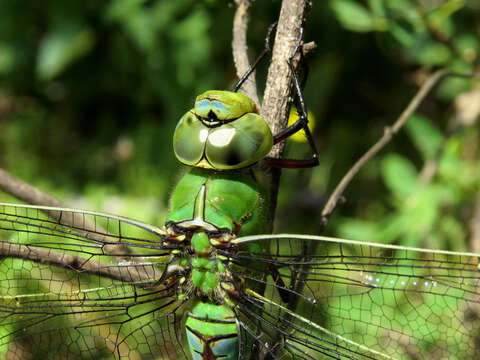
206 268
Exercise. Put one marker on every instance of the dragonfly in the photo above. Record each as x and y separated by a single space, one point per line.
211 283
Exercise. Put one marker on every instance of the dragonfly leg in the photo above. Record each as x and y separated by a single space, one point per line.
265 51
279 283
301 123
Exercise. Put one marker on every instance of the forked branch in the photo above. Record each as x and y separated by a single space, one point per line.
388 134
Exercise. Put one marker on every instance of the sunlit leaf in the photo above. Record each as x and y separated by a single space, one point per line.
399 175
426 137
61 47
7 58
353 16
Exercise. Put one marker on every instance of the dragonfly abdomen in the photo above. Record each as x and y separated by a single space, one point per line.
212 332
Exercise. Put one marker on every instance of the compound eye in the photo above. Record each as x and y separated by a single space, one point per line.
189 139
239 144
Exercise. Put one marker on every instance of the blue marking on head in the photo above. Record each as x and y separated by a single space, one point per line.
203 107
220 106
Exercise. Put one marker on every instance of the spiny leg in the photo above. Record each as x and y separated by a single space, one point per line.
260 57
301 123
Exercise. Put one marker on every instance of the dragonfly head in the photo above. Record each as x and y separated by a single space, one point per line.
224 106
223 131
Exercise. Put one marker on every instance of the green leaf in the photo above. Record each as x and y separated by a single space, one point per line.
433 53
425 136
377 7
7 58
60 48
399 175
451 87
468 46
353 16
358 229
403 36
442 13
119 10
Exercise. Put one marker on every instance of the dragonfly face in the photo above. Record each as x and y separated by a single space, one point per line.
223 132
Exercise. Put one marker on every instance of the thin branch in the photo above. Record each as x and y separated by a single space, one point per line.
240 47
276 99
26 192
33 196
128 274
388 134
380 144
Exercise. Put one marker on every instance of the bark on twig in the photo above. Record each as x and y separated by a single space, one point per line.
26 192
240 47
276 99
128 273
33 196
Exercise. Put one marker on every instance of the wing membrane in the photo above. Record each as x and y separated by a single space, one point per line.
85 284
354 300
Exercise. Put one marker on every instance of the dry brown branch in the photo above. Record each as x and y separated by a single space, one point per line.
276 99
33 196
128 273
240 47
388 134
26 192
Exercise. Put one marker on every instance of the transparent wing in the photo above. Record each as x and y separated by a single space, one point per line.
323 298
84 285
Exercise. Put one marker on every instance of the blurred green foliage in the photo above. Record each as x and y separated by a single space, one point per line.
90 93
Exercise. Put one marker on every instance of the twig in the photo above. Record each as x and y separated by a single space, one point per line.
31 195
239 47
388 134
128 274
276 99
26 192
380 144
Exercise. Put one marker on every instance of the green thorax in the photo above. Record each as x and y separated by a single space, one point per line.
233 201
212 207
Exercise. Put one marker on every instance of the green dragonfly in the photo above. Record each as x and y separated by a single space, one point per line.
84 285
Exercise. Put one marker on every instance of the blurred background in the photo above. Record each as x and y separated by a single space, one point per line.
90 93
